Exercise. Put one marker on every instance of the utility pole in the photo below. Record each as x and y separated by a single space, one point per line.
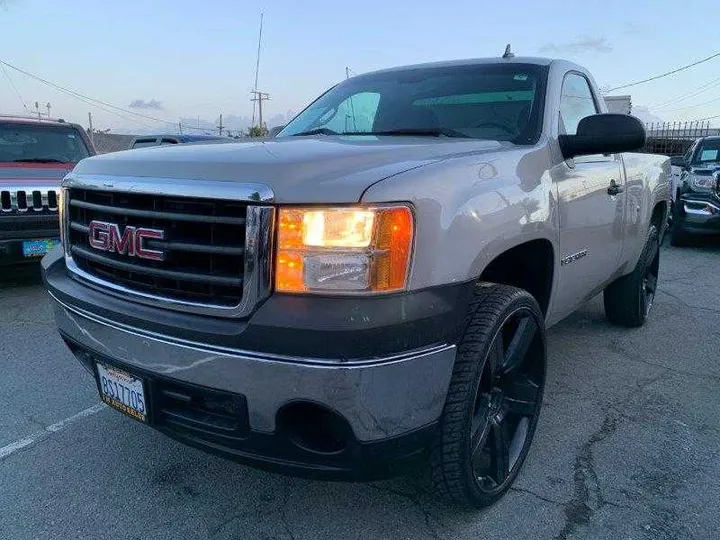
180 127
260 97
220 126
92 133
48 108
37 108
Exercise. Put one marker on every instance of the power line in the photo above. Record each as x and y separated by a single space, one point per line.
628 85
82 96
711 117
692 93
12 84
92 101
693 106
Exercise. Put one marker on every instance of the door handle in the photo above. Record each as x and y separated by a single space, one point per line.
614 188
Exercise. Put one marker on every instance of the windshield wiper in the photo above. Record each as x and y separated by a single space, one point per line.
38 160
318 131
423 132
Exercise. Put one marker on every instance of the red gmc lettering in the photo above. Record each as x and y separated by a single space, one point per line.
98 235
145 253
106 237
122 244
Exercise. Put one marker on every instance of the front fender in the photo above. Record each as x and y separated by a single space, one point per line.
471 209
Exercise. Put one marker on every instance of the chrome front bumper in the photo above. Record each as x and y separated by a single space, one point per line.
380 398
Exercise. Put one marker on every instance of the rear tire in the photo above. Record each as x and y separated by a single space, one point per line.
493 403
629 298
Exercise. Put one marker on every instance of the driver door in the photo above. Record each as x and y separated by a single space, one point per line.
591 218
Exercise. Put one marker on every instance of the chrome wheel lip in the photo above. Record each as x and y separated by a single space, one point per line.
497 411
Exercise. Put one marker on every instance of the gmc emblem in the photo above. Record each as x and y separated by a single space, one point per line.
106 237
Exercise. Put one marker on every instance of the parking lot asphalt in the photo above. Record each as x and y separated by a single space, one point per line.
628 445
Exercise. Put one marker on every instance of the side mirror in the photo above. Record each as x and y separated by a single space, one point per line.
678 161
604 134
275 130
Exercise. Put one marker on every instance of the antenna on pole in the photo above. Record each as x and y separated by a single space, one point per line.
257 59
257 94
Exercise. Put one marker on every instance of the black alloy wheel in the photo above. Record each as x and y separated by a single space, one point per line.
507 402
629 298
494 399
649 282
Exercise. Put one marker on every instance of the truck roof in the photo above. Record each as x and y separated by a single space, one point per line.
539 61
13 119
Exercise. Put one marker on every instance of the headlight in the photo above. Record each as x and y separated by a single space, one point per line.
702 182
343 250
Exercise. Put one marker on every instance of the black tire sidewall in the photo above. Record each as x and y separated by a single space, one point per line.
472 352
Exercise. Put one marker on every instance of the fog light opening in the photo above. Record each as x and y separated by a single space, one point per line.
314 428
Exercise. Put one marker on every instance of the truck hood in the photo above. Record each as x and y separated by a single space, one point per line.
28 175
320 169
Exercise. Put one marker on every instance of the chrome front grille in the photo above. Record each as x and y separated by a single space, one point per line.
215 251
23 201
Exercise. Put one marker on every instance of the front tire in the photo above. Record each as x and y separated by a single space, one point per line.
629 298
493 403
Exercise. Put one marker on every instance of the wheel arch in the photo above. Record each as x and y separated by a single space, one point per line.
529 265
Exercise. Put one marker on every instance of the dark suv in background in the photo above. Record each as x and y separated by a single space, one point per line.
35 155
696 207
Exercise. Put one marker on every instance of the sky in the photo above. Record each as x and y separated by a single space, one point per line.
173 59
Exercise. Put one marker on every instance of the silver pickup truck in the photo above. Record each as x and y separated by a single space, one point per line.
372 287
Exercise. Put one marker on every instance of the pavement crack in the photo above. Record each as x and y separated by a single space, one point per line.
538 496
617 347
684 303
285 501
427 515
587 493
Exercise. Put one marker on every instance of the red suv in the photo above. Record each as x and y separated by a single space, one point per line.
35 155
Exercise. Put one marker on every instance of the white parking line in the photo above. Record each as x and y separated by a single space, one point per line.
11 448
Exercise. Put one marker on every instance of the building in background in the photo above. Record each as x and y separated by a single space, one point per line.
619 104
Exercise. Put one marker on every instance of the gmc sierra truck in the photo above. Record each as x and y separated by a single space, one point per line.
35 155
696 204
371 287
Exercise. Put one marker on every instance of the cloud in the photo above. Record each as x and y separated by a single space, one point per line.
632 28
579 46
142 104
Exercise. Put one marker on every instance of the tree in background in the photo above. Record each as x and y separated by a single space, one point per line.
258 131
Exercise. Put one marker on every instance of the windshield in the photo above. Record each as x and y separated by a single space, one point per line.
708 152
489 101
41 144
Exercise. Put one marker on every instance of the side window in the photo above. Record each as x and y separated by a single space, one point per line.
356 113
167 141
576 102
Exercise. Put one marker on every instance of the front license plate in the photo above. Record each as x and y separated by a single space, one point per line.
38 248
122 391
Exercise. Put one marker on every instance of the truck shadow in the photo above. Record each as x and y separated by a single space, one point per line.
22 275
